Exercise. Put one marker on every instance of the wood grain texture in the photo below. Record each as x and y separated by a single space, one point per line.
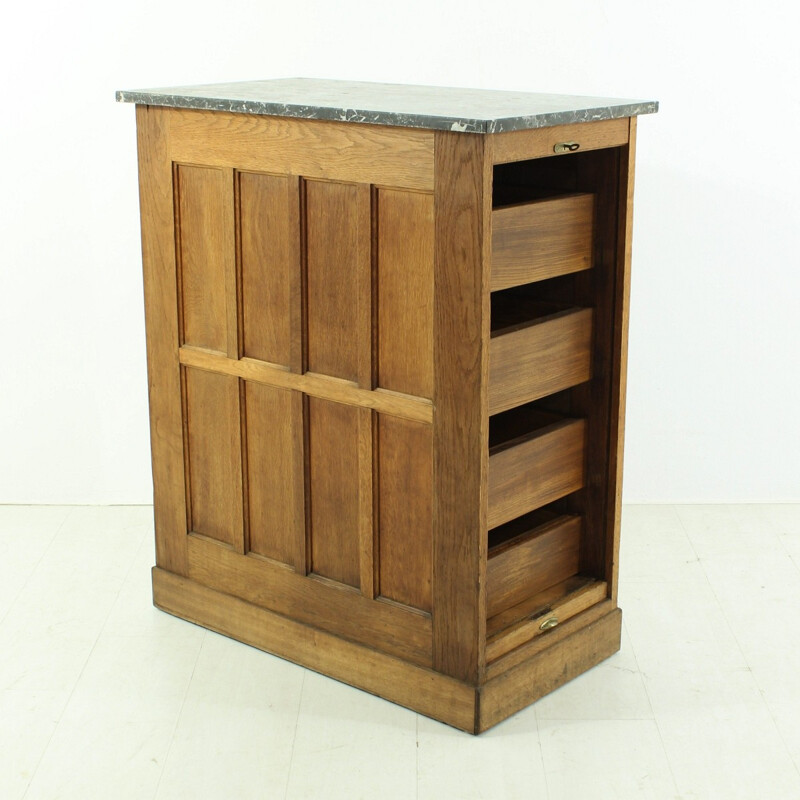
366 502
162 332
532 562
338 233
275 482
533 360
333 446
619 349
214 456
206 252
377 154
268 265
421 689
462 209
405 291
546 671
405 484
539 142
536 645
517 625
541 239
322 386
316 601
535 469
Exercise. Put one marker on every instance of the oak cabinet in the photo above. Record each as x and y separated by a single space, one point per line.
386 356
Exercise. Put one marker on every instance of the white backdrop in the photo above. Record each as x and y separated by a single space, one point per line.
714 381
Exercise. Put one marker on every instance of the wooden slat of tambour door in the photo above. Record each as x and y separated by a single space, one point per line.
333 454
375 154
338 233
206 252
162 330
213 441
405 477
269 264
539 142
405 291
275 482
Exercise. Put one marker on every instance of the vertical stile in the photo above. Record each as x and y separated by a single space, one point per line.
462 192
297 274
366 423
620 349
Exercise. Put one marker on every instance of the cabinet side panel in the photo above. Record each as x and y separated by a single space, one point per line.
214 456
405 470
205 250
620 349
405 292
463 192
274 426
266 266
337 254
333 445
161 317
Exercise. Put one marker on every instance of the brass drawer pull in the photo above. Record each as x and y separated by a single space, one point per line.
550 622
566 147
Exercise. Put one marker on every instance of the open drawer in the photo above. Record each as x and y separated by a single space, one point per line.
534 458
538 356
529 555
541 239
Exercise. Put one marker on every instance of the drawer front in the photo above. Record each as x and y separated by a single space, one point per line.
532 562
542 239
542 358
536 470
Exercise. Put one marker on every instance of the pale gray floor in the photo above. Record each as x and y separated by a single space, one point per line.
102 696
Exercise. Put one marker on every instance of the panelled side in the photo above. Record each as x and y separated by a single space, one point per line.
296 371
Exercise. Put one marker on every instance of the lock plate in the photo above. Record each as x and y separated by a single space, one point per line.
566 147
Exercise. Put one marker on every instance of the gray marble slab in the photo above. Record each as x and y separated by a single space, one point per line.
438 108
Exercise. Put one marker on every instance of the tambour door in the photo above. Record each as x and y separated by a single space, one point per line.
289 300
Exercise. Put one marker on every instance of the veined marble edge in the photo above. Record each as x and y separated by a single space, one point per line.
391 118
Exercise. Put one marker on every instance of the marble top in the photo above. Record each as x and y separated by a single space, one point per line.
439 108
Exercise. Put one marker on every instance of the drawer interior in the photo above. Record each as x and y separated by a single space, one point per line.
549 367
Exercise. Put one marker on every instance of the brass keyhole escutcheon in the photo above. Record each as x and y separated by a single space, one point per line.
550 622
566 147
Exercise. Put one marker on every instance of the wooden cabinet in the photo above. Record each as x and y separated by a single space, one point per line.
387 369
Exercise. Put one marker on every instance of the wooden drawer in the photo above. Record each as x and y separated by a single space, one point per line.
541 239
535 468
534 559
539 357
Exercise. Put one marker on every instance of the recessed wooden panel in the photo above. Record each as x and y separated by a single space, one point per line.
333 450
338 267
276 506
542 239
405 475
212 430
405 292
268 264
536 469
206 253
529 361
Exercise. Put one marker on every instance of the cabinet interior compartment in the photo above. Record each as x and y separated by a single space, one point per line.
550 371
